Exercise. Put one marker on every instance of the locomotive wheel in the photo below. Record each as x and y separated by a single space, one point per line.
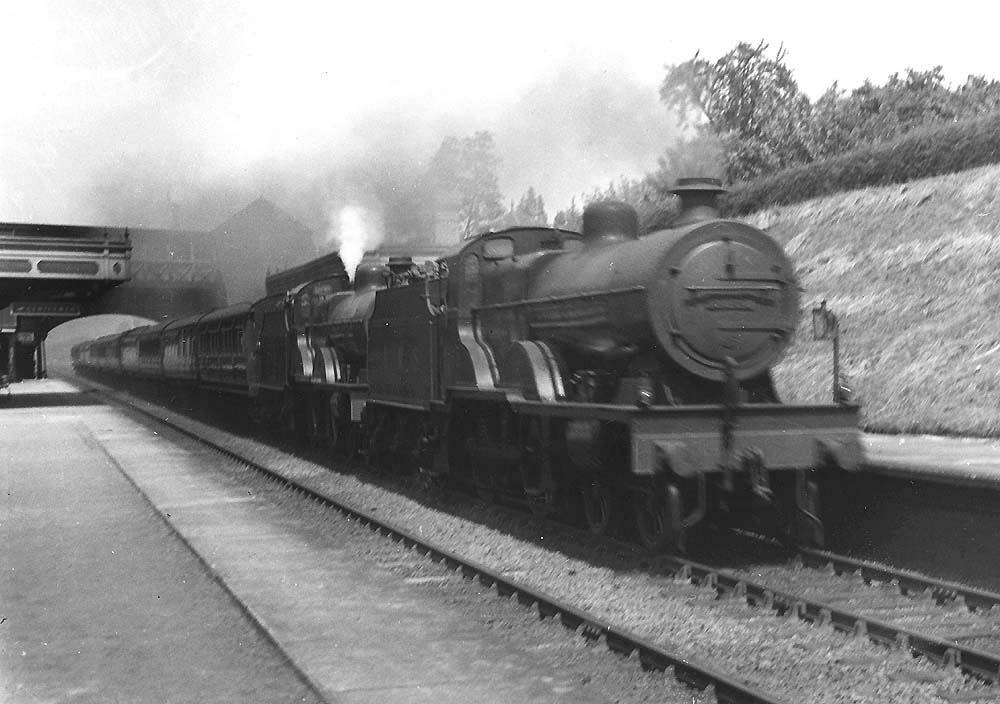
398 455
318 438
405 432
806 528
484 477
484 474
542 498
286 416
543 503
486 494
256 412
342 440
598 507
377 439
333 438
349 438
658 518
537 478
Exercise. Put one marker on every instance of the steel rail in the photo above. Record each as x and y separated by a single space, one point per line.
945 652
727 689
908 582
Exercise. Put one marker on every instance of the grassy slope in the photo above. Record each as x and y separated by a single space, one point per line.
913 273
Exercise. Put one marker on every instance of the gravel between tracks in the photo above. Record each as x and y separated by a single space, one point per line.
796 660
579 668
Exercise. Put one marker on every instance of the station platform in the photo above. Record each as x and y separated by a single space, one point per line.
99 599
104 598
958 461
927 503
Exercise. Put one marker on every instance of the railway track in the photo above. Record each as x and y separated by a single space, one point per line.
821 596
948 623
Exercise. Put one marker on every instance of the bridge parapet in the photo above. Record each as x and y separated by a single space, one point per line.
25 255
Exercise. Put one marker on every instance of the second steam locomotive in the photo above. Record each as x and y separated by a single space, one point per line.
618 378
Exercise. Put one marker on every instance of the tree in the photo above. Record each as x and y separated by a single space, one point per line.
569 219
876 113
978 96
530 210
463 176
749 101
653 204
747 106
830 130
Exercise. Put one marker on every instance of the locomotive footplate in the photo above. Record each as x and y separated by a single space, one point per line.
688 439
763 439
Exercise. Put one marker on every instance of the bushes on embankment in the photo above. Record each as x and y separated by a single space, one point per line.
932 150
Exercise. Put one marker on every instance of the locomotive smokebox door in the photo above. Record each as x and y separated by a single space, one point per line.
730 292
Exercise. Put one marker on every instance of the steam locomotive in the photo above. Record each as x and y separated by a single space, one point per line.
620 379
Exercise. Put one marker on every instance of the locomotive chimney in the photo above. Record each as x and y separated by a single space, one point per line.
609 221
400 264
370 275
699 196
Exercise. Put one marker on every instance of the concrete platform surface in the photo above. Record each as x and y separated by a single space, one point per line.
964 461
99 600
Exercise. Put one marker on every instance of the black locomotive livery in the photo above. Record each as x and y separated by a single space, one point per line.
618 378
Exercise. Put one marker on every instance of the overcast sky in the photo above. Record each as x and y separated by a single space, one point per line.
158 100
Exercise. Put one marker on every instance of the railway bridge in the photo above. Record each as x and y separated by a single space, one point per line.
52 273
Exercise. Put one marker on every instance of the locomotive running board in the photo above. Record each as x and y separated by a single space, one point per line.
786 437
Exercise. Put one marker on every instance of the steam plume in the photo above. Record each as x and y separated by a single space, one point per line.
356 230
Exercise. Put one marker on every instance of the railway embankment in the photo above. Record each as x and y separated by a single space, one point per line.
913 273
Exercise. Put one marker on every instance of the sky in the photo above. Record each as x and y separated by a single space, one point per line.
164 113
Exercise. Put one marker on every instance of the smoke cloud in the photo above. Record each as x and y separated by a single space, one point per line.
581 129
354 230
568 134
192 119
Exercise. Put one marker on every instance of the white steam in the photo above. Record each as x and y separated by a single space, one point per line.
356 230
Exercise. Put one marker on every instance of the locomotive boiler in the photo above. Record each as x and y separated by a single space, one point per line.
674 306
